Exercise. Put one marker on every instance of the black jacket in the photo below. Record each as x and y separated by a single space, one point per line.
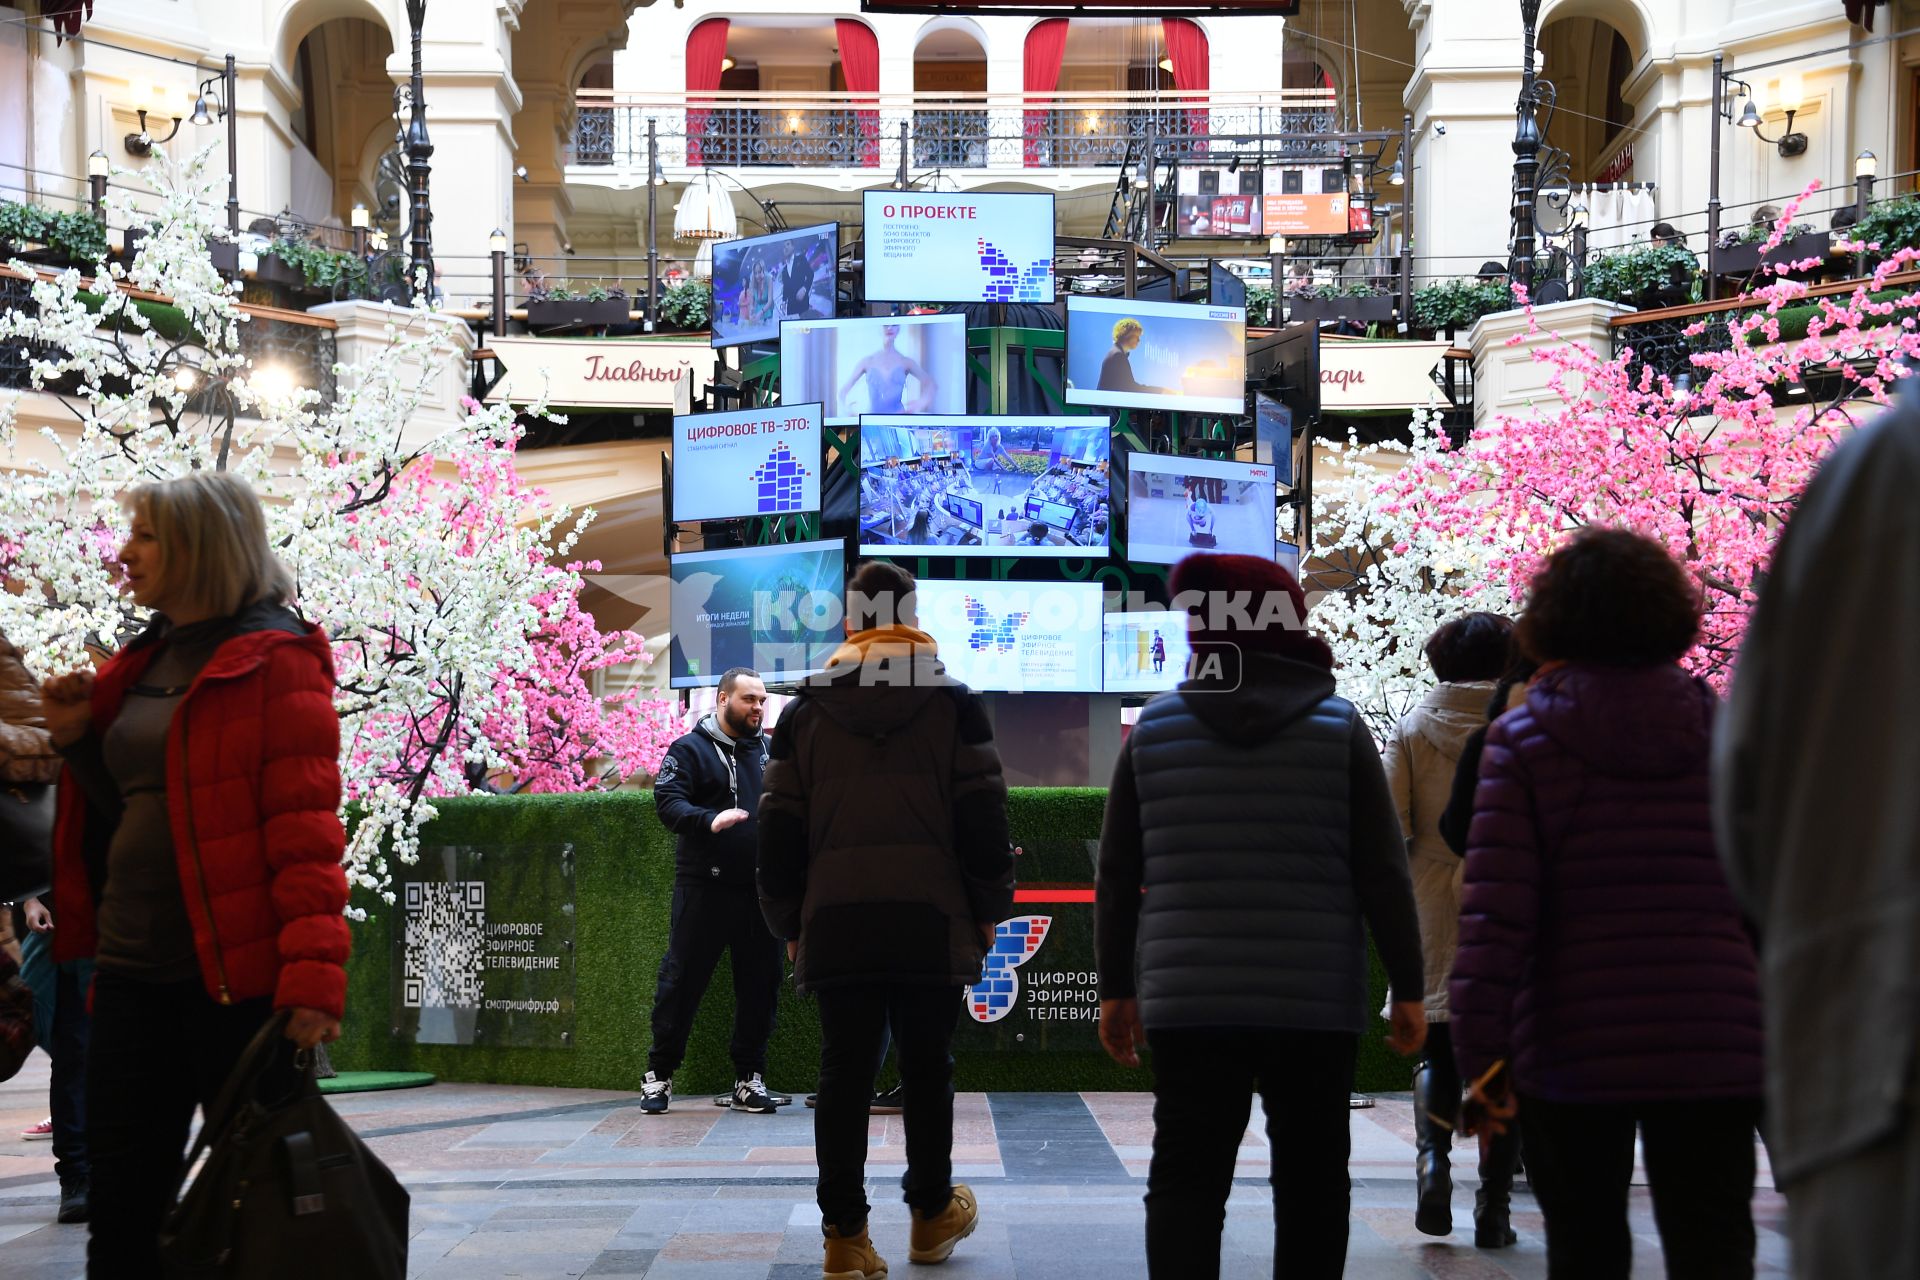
704 774
1259 825
884 849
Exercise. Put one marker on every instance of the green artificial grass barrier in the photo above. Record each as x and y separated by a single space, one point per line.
623 885
375 1081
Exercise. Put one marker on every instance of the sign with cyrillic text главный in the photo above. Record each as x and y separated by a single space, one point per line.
602 373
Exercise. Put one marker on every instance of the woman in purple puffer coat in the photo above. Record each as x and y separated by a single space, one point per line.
1602 955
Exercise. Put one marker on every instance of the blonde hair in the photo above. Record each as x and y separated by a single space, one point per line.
212 536
1126 328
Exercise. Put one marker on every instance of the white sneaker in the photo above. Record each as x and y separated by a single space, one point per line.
751 1095
656 1094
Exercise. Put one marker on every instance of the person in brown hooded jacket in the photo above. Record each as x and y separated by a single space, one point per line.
884 862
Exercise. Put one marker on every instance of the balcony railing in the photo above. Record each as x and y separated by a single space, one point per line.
942 131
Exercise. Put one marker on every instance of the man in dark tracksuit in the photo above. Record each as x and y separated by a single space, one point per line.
708 793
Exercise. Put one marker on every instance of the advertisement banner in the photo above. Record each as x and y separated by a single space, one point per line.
924 246
756 462
1305 215
1039 989
601 373
1357 376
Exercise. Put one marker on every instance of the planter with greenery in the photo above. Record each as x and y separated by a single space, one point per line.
1452 306
1893 226
76 238
1359 303
564 307
1648 277
687 306
1744 258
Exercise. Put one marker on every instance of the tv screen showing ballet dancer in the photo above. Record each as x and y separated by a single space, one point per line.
762 280
1002 486
1184 357
1177 506
1146 652
876 364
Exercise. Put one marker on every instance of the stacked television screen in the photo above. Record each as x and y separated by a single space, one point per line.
936 481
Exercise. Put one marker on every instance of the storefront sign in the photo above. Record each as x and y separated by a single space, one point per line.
1304 214
483 946
602 372
1360 376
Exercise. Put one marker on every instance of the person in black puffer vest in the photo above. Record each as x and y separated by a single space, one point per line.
708 793
1249 843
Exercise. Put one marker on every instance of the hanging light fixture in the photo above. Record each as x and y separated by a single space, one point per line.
703 260
705 211
1397 176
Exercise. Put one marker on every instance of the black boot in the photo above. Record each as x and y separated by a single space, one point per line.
1433 1166
73 1199
1492 1223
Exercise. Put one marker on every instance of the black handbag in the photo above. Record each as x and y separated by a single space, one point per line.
26 839
289 1192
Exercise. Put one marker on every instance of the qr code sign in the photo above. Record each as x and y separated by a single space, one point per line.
446 945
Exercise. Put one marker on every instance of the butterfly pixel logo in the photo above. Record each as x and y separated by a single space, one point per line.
1008 282
780 481
990 633
1015 942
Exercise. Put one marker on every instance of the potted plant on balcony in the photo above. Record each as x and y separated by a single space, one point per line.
1742 257
75 238
687 307
1893 226
1648 277
1358 302
563 307
1450 306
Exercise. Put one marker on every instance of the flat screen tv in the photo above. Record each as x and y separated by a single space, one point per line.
1225 288
776 609
1016 637
1146 652
875 364
1000 486
1179 506
924 246
1179 356
754 462
1273 436
762 280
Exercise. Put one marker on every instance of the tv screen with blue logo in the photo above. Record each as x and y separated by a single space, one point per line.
928 246
1184 357
876 364
1016 637
776 609
753 462
762 280
1039 486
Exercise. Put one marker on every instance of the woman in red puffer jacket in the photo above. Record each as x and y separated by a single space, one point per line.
197 849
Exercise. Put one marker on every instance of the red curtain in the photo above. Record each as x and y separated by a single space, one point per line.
860 64
1192 67
706 48
1046 49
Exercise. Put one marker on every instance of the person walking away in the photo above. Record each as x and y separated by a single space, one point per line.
222 706
1421 757
28 762
885 864
1602 957
1457 818
708 793
1820 834
1249 843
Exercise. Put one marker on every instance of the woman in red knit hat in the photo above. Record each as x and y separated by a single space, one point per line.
197 847
1249 842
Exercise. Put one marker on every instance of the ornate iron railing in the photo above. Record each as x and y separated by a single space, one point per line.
841 131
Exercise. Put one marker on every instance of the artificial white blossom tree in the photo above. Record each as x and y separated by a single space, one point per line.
431 569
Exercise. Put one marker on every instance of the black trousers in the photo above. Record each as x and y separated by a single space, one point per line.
1700 1165
158 1051
705 921
853 1026
1203 1087
1444 1073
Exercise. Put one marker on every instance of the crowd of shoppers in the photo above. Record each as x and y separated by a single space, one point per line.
1592 948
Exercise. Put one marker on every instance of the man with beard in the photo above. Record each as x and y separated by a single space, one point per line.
708 792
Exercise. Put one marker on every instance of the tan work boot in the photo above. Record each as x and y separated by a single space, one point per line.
934 1238
853 1257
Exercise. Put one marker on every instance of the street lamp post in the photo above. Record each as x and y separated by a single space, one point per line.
497 251
230 81
97 166
1526 155
419 152
1713 179
655 178
1865 167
